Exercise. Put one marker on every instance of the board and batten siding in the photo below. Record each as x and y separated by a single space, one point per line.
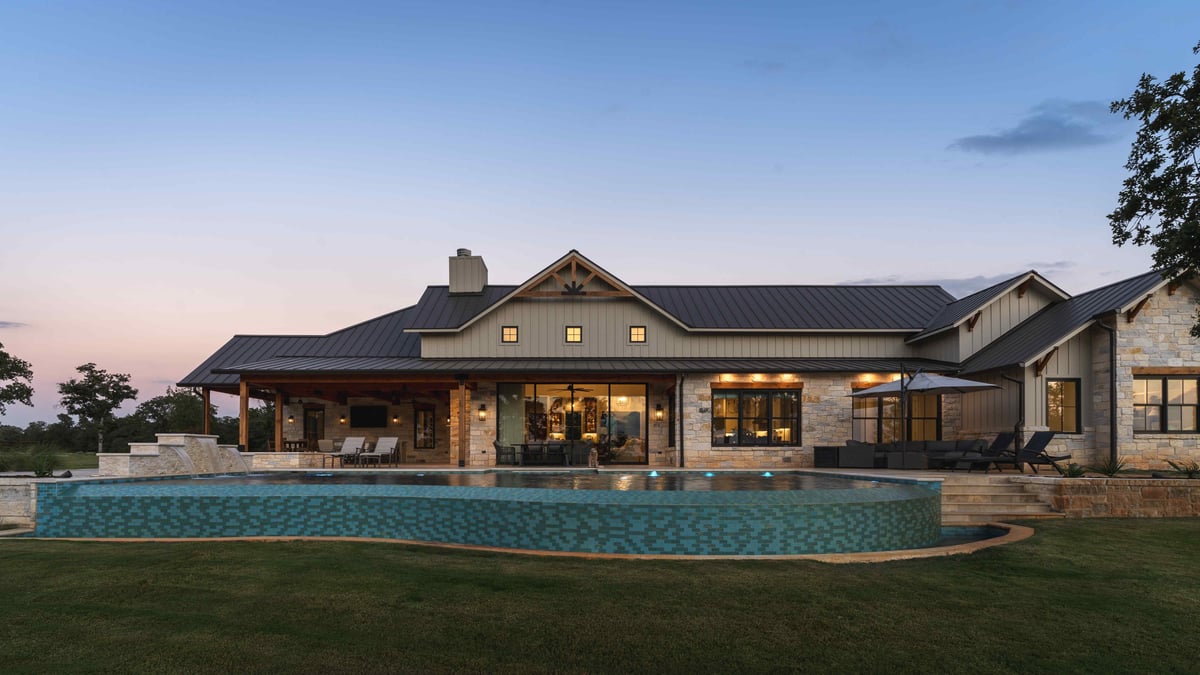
999 317
606 322
942 347
1072 360
992 410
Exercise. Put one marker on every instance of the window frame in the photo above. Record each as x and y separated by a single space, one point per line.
797 442
567 335
879 417
516 330
630 335
1078 404
1164 405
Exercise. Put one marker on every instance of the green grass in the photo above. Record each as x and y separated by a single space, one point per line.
1080 596
66 460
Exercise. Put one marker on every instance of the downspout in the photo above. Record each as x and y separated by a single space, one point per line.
1112 388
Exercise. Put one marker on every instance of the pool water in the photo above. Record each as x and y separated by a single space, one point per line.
673 513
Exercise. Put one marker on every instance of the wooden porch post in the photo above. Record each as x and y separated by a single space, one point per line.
244 415
278 421
462 420
206 397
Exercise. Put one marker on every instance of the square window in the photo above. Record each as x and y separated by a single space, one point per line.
575 334
637 333
508 334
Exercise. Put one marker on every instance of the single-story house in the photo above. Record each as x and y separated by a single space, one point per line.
729 376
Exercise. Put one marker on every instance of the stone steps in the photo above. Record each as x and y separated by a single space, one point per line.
972 500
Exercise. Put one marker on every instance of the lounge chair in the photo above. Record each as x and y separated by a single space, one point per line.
351 447
1034 452
996 454
384 447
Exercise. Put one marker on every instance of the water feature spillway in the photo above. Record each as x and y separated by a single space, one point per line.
676 513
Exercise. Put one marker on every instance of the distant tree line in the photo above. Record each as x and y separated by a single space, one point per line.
90 401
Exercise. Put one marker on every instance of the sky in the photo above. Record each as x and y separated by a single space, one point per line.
172 174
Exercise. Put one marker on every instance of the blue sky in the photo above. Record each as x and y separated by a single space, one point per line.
175 173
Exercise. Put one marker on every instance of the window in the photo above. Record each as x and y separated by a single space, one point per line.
508 334
1062 406
1165 404
574 334
876 419
637 334
755 417
423 428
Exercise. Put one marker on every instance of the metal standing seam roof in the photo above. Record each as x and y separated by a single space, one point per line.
899 308
382 336
1054 324
380 365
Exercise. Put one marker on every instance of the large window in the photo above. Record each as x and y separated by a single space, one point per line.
1165 404
612 416
876 419
1062 406
756 417
424 423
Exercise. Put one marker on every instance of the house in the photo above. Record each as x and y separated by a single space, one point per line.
729 376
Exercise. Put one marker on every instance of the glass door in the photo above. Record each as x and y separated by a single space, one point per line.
314 426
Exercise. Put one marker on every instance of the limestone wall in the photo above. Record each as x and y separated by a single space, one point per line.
1116 497
1159 336
18 501
173 455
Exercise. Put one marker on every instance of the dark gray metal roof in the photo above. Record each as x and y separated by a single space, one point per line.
382 336
965 307
439 310
1055 323
383 365
900 308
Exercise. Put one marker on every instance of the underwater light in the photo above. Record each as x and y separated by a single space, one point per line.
767 474
654 474
708 474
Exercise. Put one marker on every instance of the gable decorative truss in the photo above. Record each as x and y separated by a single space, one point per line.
575 278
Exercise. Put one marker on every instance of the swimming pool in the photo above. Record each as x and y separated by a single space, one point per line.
672 513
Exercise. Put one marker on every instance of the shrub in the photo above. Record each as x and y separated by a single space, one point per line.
43 462
1072 470
8 461
1110 467
1187 467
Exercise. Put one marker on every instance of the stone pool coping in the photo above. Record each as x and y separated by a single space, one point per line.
1013 534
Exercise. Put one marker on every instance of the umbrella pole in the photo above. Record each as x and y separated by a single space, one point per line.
903 419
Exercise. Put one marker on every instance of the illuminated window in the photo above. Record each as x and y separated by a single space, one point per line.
876 419
508 334
1062 406
756 417
1166 404
637 333
575 334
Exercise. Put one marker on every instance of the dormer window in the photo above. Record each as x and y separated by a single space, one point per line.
508 335
574 335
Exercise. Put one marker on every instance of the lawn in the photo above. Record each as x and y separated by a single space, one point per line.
1080 596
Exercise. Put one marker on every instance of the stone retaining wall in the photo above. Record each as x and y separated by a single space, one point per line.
1116 497
18 501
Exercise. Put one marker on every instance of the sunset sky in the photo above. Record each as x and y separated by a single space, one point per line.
174 173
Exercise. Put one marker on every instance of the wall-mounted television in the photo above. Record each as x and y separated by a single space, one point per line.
368 416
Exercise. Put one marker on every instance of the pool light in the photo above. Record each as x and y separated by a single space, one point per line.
654 474
767 474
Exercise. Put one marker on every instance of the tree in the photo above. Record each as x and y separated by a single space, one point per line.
95 396
1159 203
15 380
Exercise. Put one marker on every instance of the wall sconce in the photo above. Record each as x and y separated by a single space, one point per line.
483 412
395 419
658 412
291 419
342 418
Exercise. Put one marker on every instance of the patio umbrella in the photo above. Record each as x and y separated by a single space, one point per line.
925 383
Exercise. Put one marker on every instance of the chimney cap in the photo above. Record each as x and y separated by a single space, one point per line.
464 252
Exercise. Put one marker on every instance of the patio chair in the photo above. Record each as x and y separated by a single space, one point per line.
384 447
505 454
996 454
351 447
1034 452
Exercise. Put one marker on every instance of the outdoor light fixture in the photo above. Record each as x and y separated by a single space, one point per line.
483 412
658 412
342 418
395 419
291 419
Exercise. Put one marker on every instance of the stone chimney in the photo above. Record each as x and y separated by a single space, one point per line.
468 274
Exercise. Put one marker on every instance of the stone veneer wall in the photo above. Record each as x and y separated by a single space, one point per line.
18 501
1116 497
403 410
1158 337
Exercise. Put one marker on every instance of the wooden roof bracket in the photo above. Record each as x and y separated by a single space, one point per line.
1172 287
974 320
1131 314
1041 363
1023 287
